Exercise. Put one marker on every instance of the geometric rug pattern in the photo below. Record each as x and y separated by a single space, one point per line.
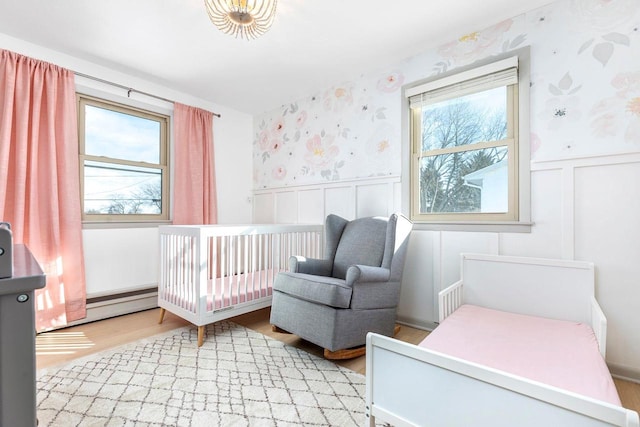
239 377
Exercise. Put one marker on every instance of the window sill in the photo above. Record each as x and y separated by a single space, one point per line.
96 225
477 226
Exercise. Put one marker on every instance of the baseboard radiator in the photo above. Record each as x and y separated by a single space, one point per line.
101 307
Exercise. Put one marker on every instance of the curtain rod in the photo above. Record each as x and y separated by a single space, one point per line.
128 89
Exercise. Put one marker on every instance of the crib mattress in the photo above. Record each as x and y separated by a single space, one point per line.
222 292
558 353
239 288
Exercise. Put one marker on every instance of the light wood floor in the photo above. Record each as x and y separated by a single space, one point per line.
64 345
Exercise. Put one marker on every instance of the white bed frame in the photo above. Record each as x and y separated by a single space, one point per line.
244 259
409 385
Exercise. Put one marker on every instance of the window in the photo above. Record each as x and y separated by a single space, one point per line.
123 162
464 135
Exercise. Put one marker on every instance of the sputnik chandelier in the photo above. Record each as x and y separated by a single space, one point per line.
247 19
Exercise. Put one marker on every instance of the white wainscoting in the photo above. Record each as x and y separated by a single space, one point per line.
312 203
585 209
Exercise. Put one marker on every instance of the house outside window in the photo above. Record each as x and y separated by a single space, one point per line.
465 157
123 162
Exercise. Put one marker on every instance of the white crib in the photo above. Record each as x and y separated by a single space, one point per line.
213 272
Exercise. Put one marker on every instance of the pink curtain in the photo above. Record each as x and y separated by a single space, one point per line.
39 180
194 200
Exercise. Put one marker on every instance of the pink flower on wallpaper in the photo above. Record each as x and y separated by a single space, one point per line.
278 127
275 145
604 125
301 119
338 98
632 133
263 140
321 151
621 112
381 150
604 15
476 45
391 82
626 82
604 121
279 173
633 106
383 145
535 143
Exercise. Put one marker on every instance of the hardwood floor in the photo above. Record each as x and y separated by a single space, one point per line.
56 347
64 345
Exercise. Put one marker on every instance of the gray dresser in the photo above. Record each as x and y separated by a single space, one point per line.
17 340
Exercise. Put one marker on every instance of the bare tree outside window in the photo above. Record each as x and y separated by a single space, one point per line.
146 199
467 168
459 139
124 162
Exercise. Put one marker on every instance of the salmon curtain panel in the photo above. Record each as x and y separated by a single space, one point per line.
194 200
39 180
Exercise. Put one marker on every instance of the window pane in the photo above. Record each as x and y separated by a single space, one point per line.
468 181
111 188
121 136
465 120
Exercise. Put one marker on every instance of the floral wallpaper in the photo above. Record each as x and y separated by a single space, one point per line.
584 97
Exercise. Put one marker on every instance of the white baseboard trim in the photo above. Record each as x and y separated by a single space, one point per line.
624 372
425 326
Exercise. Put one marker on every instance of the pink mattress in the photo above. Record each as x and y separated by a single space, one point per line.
558 353
239 288
223 292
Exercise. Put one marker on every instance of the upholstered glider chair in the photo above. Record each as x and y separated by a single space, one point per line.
333 302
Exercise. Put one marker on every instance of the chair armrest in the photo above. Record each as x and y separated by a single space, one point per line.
317 267
372 287
366 273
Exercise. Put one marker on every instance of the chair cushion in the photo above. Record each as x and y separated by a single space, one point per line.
362 242
318 289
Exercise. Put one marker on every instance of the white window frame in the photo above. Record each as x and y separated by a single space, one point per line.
163 164
521 222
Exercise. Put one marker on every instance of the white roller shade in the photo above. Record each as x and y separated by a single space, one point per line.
497 74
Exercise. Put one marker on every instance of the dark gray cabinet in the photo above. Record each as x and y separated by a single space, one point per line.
17 340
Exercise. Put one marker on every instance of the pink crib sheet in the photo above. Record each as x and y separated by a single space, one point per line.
239 288
558 353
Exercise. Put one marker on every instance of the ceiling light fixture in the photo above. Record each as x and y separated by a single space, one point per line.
248 19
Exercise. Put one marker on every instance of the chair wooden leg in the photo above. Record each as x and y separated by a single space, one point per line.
349 353
274 328
200 335
162 311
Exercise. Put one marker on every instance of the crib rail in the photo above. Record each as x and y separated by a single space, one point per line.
205 270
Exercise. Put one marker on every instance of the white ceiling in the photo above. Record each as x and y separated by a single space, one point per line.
313 43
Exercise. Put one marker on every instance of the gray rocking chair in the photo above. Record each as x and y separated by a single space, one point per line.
334 302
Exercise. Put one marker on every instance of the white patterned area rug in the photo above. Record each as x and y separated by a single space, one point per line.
239 377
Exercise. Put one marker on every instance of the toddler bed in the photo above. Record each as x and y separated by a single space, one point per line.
521 341
213 272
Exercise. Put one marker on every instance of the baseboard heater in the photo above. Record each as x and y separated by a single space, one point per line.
104 306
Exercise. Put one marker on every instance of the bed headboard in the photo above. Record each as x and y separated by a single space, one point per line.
558 289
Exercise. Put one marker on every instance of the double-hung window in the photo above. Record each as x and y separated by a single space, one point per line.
123 162
464 137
